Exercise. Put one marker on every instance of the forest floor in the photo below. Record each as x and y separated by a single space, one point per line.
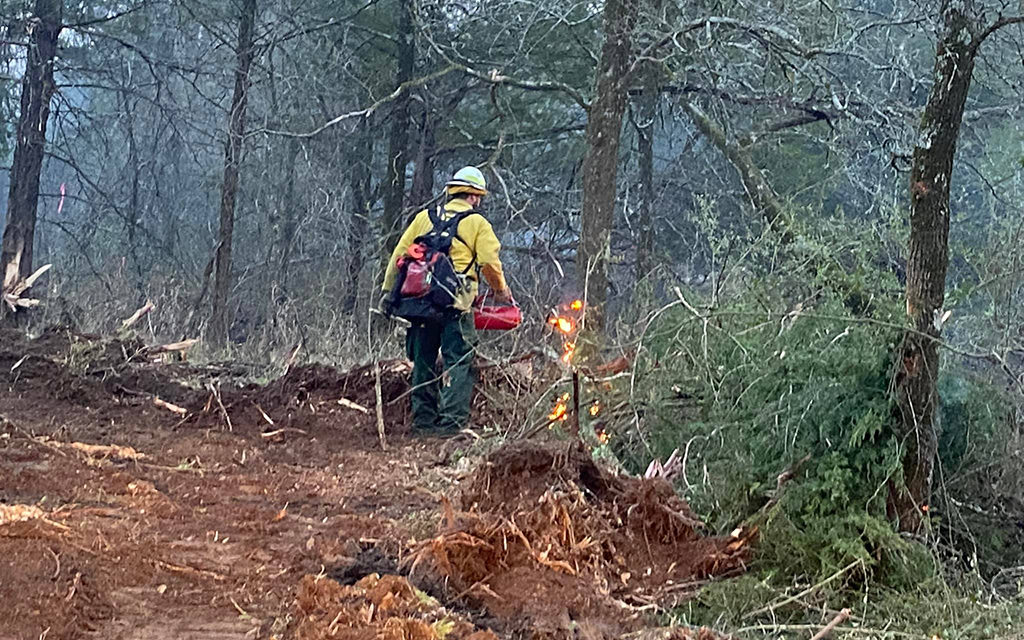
263 511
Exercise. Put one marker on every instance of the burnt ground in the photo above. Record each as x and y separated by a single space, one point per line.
261 511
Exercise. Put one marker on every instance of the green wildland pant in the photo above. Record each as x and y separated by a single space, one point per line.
437 407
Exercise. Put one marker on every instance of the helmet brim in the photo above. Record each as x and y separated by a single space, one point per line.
462 186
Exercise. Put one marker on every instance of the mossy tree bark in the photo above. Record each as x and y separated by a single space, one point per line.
219 317
600 164
37 87
398 139
917 398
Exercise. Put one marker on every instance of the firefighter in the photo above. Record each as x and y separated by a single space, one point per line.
437 409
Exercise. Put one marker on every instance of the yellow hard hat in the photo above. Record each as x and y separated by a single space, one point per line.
467 180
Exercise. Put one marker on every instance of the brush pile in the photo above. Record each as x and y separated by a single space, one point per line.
546 540
376 608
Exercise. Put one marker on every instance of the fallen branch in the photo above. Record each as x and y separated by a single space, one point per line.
174 346
242 612
840 617
805 592
20 362
277 432
215 392
105 450
138 315
864 631
345 402
291 357
668 470
163 404
189 570
12 294
263 413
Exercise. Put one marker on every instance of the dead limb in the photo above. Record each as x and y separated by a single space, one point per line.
277 432
345 402
215 393
173 408
189 570
138 315
292 356
807 591
836 621
12 294
173 346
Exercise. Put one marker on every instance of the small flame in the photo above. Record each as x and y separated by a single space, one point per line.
561 410
595 408
568 350
603 436
565 322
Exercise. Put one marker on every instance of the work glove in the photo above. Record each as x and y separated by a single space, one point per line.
504 295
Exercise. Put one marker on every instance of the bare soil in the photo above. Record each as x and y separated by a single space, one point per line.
272 512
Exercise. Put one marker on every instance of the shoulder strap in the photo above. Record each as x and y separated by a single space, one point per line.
441 227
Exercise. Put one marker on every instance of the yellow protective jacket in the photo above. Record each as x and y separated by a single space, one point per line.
477 234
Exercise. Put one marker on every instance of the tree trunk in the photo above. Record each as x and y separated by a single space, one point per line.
646 113
398 142
219 319
289 214
928 255
423 178
37 87
759 191
357 232
600 164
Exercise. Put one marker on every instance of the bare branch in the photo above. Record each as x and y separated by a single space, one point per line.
362 113
110 18
496 78
992 28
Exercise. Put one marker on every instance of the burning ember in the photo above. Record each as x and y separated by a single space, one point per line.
563 324
603 436
561 410
568 350
595 408
566 320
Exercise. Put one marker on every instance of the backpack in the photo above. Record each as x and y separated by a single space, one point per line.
428 284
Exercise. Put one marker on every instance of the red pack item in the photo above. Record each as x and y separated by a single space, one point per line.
419 272
504 317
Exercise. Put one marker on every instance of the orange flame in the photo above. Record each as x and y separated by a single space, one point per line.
603 436
561 409
595 408
568 350
567 326
560 412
